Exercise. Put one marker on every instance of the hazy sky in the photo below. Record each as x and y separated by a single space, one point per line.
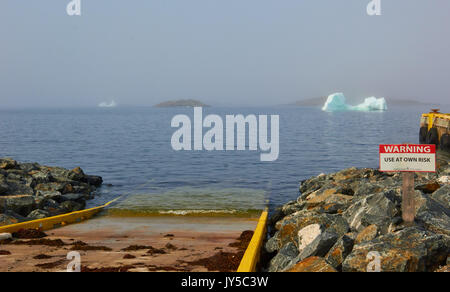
235 52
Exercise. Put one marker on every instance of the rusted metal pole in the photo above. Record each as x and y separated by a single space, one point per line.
408 204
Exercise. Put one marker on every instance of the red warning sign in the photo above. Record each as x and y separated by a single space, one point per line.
408 157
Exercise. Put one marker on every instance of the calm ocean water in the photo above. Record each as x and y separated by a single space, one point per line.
130 148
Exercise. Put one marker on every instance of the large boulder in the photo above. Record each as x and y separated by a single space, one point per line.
373 209
409 250
7 163
4 188
28 167
73 197
319 246
283 258
434 216
18 187
308 234
71 206
442 196
339 252
38 214
93 180
20 204
41 176
52 187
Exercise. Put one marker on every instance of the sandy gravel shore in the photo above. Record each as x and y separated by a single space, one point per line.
134 244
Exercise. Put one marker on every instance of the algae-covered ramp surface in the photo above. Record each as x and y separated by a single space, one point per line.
137 244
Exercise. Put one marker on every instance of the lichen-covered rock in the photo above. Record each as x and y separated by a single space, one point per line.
409 250
368 203
290 226
337 254
51 187
367 234
313 264
7 163
286 254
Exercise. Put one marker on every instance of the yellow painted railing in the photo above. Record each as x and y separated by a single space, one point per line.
55 221
430 118
253 252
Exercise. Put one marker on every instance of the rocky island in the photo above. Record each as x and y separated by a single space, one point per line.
31 191
182 103
343 221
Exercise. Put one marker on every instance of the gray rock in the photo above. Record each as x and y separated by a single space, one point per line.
286 254
442 196
94 180
365 189
18 187
273 244
57 196
434 216
339 252
71 206
7 220
4 188
291 208
21 204
14 215
73 197
42 177
319 246
373 209
27 167
64 175
38 214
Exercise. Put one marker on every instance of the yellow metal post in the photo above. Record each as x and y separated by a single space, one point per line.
253 252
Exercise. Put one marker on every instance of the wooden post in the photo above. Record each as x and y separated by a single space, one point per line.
408 204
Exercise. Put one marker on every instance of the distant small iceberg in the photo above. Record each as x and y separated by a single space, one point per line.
337 102
108 104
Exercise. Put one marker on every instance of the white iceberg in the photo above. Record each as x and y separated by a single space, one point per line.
108 104
337 102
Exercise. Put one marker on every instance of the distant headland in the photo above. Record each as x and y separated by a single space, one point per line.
182 103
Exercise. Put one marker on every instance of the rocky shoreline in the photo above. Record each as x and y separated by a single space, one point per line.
347 221
31 191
